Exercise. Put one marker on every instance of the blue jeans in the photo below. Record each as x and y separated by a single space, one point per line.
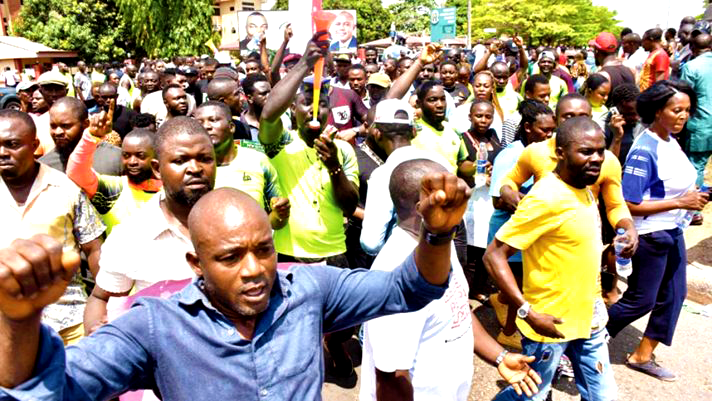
589 357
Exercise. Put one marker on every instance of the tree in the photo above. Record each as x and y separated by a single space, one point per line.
412 16
539 21
90 27
373 21
162 29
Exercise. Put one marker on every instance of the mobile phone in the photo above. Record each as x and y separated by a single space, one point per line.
614 111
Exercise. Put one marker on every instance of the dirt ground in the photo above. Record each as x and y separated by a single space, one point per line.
690 356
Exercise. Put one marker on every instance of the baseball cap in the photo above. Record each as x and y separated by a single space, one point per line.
393 111
25 85
511 46
308 84
701 27
380 79
344 57
51 78
605 41
292 57
547 54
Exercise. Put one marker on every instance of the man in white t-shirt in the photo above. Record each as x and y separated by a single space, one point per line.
403 353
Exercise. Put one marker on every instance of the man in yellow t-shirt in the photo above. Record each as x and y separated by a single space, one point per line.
242 168
557 228
433 133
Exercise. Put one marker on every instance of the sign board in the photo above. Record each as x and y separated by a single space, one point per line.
442 23
490 30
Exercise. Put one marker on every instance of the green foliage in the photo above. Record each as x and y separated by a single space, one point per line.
538 21
90 27
412 16
372 19
167 29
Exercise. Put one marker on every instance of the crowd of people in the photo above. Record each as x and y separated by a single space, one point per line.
286 226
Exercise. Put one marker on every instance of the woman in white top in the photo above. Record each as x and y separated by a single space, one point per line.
659 188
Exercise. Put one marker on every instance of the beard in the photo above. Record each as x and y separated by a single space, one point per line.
186 196
142 176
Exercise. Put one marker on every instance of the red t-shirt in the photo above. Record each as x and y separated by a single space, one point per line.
658 61
346 109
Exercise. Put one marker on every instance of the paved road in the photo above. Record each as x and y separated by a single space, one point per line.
690 356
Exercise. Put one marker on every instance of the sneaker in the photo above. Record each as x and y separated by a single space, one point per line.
565 367
500 309
653 369
697 219
513 341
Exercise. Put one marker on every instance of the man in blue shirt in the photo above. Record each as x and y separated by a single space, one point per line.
242 330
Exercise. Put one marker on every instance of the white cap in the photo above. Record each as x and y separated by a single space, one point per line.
387 112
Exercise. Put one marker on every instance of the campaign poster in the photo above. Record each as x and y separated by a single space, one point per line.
253 24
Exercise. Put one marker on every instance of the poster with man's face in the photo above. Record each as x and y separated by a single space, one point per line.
253 24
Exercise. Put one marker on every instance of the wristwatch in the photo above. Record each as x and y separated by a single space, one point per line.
523 310
439 239
500 357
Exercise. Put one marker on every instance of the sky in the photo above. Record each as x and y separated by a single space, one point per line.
641 15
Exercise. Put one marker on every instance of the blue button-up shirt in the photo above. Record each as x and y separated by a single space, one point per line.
189 351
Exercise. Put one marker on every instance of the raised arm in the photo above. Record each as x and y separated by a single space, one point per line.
282 94
481 64
279 56
34 273
429 55
79 166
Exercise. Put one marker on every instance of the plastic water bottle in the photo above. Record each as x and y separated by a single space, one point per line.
624 267
481 175
684 218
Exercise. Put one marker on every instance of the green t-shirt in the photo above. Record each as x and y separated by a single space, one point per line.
252 173
448 143
316 222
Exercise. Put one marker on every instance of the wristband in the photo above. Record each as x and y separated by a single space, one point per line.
335 172
439 239
500 357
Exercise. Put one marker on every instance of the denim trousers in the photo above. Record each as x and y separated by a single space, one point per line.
589 357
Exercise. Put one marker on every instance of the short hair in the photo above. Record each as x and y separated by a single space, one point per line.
632 37
142 120
210 61
593 82
671 31
569 129
76 106
143 133
20 116
425 87
624 93
169 87
480 101
499 64
626 31
371 48
169 72
403 60
218 87
256 14
567 98
654 34
225 109
177 126
108 85
654 98
530 110
533 81
404 185
357 67
448 62
248 84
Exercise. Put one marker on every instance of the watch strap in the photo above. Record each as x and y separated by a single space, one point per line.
439 239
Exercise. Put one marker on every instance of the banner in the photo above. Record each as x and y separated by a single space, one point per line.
253 24
442 24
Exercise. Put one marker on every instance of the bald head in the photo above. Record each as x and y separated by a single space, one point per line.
221 211
108 89
404 185
219 88
73 106
701 43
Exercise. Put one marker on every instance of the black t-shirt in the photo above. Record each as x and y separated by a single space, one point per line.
122 120
471 146
459 92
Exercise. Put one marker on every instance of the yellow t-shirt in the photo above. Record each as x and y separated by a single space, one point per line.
128 201
509 100
558 229
252 173
447 143
316 222
539 159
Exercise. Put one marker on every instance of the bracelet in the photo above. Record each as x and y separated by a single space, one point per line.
500 357
438 239
335 172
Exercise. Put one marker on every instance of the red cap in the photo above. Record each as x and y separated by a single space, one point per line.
605 41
